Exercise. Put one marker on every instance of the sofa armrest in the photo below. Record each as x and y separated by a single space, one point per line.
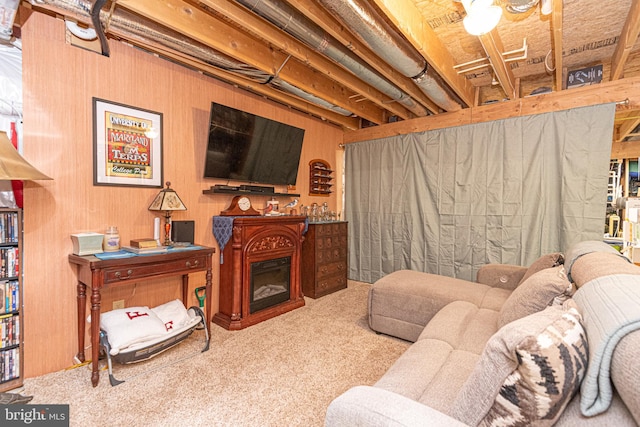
502 276
375 407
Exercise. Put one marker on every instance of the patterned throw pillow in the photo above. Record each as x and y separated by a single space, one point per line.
529 371
540 290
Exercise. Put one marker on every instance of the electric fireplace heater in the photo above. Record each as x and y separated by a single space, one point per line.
270 283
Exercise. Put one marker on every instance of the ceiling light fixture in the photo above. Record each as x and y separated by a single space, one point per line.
482 16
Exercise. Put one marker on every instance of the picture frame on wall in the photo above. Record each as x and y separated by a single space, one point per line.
127 145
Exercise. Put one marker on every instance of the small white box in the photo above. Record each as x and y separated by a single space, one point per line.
87 243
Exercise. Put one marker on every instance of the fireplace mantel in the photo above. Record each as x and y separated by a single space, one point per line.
255 239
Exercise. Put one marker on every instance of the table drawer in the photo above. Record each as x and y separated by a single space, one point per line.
331 284
331 269
120 274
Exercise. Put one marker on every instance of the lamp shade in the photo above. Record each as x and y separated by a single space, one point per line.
13 166
167 200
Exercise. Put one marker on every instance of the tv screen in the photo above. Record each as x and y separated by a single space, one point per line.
250 148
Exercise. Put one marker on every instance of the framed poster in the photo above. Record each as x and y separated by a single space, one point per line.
127 145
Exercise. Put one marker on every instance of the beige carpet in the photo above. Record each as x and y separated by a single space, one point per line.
281 372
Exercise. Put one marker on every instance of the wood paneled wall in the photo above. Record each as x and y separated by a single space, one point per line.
59 81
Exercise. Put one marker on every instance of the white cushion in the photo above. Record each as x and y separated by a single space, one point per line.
173 314
128 326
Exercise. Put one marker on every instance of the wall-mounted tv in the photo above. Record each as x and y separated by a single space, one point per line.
249 148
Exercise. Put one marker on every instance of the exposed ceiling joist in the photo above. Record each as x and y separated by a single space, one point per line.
253 47
408 19
493 46
556 25
337 30
628 39
224 38
304 54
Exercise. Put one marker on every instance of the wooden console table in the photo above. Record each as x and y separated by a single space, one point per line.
99 274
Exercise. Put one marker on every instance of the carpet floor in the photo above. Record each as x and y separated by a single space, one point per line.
281 372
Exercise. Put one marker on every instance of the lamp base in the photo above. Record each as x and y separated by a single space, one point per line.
167 229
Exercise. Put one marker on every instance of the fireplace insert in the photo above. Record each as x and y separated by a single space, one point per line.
270 283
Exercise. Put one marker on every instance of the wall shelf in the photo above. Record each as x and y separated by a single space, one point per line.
246 193
320 177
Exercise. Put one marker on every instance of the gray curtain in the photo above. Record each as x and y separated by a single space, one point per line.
448 201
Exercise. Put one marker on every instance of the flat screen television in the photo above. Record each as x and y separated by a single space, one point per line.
249 148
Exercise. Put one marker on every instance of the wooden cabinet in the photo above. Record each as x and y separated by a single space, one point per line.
11 350
324 258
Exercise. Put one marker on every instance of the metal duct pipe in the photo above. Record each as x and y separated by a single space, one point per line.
278 83
375 32
520 6
299 26
146 31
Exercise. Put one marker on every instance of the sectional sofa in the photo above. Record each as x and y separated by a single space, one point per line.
554 343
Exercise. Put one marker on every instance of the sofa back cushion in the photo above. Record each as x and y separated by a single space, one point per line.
545 261
536 293
581 249
528 372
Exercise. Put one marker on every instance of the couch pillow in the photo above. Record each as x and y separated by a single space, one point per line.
173 314
540 290
528 372
545 261
131 325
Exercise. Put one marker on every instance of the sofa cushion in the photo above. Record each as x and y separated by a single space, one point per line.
540 290
462 325
545 261
581 249
597 264
403 302
528 372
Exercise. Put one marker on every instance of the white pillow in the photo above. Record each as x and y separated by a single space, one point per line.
131 325
173 314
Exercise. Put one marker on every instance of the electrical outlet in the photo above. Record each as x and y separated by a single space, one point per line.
118 304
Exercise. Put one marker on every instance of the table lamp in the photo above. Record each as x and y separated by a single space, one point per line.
167 201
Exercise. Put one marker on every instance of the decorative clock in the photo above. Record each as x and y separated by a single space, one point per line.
240 205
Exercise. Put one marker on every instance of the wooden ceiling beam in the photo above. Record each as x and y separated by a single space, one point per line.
406 16
492 44
304 54
629 123
627 40
556 25
350 123
223 37
336 29
625 150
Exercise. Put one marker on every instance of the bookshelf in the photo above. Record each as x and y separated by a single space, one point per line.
11 324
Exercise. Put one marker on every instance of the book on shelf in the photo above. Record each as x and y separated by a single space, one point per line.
144 243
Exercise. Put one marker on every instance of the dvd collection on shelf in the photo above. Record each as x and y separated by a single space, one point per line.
10 364
10 299
8 227
9 264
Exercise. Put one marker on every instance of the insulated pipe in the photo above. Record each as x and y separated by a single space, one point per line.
375 32
145 31
299 26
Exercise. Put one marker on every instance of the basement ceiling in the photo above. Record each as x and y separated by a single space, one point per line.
360 63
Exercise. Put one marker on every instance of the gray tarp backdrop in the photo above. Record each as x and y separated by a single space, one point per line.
448 201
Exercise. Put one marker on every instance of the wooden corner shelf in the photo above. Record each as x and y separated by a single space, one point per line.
320 177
